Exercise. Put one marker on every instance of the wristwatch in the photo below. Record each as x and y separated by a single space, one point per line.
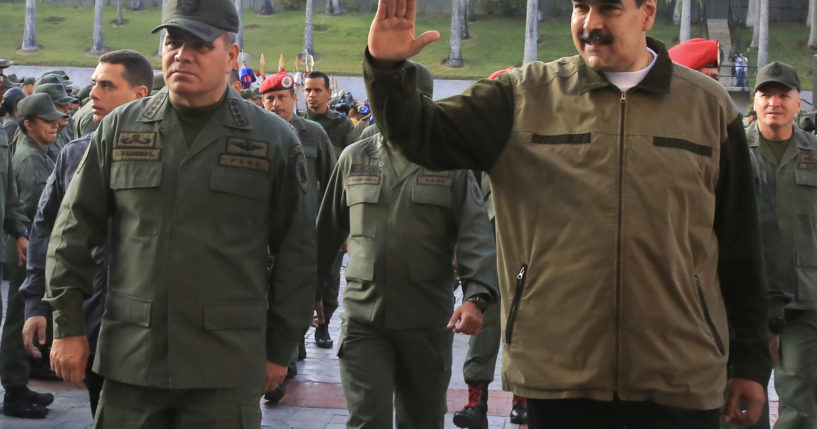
480 300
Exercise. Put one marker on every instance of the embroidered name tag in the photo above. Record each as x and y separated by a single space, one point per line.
137 154
807 161
363 175
435 178
246 147
244 162
136 140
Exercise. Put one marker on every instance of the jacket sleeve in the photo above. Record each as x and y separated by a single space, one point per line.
332 222
81 224
328 158
292 243
476 247
776 272
15 222
740 262
467 131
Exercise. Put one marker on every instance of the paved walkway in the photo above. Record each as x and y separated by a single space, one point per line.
314 398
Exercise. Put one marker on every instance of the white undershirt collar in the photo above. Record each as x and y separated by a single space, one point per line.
626 80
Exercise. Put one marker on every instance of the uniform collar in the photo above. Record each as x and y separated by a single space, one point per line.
234 116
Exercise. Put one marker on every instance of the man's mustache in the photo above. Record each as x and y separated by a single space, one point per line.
596 37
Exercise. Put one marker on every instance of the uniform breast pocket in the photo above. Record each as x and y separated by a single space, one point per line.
362 201
244 194
806 191
135 185
432 195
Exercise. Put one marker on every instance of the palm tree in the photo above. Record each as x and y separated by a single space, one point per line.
240 35
752 20
119 19
97 46
812 21
267 8
454 59
763 34
29 36
309 46
686 10
163 32
531 31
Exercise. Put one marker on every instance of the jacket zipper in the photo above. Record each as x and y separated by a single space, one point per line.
718 340
517 296
617 370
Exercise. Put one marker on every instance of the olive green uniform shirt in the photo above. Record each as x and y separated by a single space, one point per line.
190 302
337 125
403 226
11 211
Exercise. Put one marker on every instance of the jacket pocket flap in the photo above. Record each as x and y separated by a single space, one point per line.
243 183
136 174
235 315
129 309
356 194
805 177
435 195
806 257
361 269
310 152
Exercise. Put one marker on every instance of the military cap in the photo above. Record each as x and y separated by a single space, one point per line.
85 92
39 105
206 20
29 81
778 72
5 63
277 82
57 93
59 73
425 83
12 96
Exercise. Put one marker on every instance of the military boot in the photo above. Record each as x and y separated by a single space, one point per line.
322 338
25 403
519 412
475 413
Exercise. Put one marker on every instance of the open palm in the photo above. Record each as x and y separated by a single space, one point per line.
392 35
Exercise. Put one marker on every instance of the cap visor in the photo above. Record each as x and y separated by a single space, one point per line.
66 100
52 116
202 31
766 82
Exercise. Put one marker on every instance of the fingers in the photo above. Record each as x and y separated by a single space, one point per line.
454 318
400 8
425 39
34 327
384 9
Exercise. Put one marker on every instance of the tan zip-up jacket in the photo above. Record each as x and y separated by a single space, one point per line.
626 225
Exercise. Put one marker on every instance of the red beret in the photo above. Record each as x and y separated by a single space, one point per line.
696 53
277 82
499 72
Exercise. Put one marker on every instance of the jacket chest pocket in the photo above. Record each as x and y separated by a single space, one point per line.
245 194
135 185
432 195
806 193
362 201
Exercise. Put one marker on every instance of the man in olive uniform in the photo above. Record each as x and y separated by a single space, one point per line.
337 125
278 96
121 76
199 188
403 223
31 166
62 101
786 159
9 121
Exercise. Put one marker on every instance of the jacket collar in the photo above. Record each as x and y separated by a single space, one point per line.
657 80
234 116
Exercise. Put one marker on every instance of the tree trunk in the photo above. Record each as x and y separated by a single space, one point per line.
454 59
763 34
97 46
470 14
466 32
333 7
29 36
240 35
753 20
686 10
309 45
531 32
163 32
266 8
812 18
119 18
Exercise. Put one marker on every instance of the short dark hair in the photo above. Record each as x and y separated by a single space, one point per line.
317 75
752 113
22 125
137 69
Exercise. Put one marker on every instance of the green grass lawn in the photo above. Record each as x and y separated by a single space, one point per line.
64 34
